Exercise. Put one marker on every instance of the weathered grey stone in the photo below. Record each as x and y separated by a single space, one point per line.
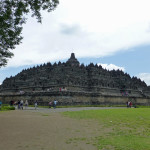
73 83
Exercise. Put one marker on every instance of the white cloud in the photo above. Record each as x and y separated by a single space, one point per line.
88 28
111 67
145 77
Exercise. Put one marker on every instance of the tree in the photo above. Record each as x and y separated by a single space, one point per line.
12 17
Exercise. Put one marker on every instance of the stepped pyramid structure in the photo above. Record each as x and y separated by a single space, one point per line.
74 83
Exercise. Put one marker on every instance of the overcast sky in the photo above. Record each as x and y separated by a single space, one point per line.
113 33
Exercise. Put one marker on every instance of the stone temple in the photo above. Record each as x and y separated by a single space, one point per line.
74 83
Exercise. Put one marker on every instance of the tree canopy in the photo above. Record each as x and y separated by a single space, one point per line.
12 17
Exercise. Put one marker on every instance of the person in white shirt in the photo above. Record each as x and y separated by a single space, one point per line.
21 104
35 104
26 104
55 103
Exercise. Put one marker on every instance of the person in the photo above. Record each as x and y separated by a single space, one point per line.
15 104
127 104
21 104
11 103
130 104
35 104
50 104
55 103
135 105
26 104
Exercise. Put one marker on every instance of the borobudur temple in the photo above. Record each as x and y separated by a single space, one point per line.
72 83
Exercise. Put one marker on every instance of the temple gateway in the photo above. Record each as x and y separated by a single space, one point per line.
72 83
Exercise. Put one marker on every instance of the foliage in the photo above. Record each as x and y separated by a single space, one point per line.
12 17
119 128
3 108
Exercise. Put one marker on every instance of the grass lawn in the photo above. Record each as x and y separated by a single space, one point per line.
123 129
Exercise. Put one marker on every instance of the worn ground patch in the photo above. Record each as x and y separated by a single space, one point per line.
34 130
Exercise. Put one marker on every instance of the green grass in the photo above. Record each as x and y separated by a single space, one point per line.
7 107
140 106
121 129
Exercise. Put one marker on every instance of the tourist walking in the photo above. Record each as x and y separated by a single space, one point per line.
130 104
26 104
35 105
21 104
55 103
11 103
50 104
127 103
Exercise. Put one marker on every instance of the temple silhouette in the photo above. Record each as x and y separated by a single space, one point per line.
74 80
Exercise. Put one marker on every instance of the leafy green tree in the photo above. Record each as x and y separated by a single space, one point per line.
12 17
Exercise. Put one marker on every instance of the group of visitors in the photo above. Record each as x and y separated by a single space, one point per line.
50 104
53 104
129 104
125 93
20 104
63 89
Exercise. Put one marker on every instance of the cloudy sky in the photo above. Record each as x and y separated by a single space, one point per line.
113 33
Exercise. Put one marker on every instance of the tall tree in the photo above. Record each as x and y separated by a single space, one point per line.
12 17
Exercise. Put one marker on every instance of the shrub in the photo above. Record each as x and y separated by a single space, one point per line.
7 108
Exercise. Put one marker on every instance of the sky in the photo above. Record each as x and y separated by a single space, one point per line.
115 34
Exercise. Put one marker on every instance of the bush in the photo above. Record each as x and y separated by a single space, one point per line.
7 108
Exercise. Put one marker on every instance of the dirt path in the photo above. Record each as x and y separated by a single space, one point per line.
45 129
69 109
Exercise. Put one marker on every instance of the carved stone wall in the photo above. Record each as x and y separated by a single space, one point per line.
72 77
75 98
